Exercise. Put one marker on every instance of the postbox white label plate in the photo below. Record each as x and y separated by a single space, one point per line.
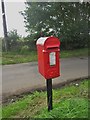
52 58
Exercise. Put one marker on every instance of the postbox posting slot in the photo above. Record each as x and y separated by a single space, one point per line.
56 49
50 47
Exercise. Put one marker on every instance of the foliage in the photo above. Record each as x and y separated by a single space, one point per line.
30 43
24 49
13 38
16 43
68 102
67 21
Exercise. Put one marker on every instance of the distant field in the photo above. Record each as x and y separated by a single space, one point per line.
14 57
68 102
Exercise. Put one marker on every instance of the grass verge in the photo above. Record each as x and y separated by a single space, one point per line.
68 102
14 57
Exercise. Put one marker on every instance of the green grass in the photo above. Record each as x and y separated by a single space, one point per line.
74 53
29 56
68 102
14 58
0 112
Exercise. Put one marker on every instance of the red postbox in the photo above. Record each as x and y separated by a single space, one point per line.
48 56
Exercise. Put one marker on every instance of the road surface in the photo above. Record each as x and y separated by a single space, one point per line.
25 77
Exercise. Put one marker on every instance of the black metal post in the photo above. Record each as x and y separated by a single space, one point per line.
49 94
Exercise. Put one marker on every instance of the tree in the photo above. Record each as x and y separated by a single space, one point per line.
67 21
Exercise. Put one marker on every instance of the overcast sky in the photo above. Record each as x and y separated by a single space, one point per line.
14 19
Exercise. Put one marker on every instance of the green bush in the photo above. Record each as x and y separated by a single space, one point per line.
24 49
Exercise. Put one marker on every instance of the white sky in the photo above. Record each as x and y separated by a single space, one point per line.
13 18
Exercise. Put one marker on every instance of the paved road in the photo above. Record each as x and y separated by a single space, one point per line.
22 77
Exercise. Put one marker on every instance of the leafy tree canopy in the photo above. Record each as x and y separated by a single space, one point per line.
67 21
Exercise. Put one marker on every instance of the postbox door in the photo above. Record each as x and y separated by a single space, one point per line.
53 56
51 63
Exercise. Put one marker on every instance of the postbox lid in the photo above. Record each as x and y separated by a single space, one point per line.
43 40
